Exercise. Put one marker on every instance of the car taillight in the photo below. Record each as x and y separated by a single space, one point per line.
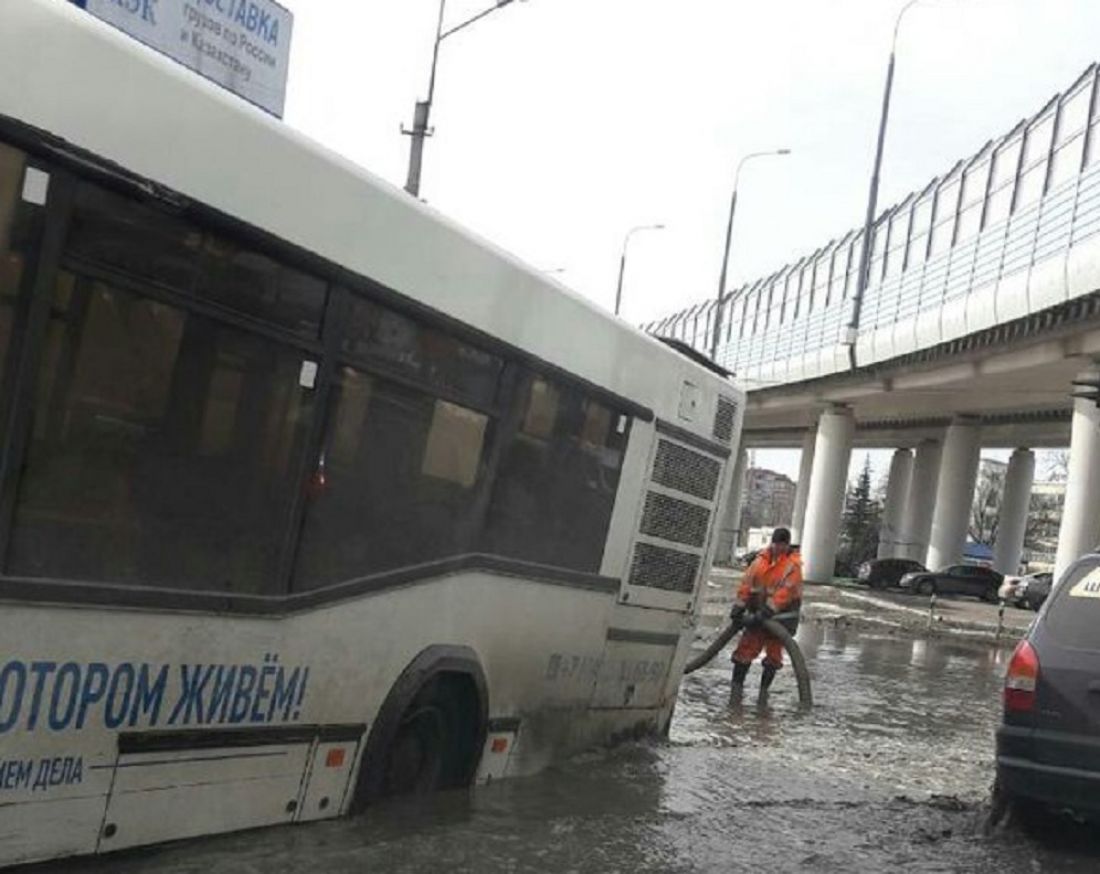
1021 680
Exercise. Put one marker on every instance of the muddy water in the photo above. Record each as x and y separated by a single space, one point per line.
889 771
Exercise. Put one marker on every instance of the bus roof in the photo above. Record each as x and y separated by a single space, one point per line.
65 72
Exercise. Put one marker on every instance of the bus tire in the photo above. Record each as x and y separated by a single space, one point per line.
430 730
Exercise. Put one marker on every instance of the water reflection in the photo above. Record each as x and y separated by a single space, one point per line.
918 655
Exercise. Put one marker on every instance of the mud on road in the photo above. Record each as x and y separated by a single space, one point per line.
891 770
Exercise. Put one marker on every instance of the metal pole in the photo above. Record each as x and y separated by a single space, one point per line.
421 112
863 276
619 287
872 205
622 260
715 331
423 108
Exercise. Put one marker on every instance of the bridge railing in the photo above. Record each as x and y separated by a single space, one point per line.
1013 230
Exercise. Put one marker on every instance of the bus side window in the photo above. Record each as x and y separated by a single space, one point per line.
401 471
390 342
14 229
111 230
558 478
135 239
161 447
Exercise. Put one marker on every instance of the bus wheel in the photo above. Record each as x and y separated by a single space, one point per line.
437 742
430 730
415 761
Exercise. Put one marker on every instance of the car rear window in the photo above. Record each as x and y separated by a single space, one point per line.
1073 617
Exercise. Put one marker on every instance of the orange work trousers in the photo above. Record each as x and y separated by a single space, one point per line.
755 640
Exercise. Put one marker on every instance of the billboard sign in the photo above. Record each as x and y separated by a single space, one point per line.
243 45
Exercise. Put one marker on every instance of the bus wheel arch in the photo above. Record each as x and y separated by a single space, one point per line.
430 730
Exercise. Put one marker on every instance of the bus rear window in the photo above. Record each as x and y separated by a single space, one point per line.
1073 617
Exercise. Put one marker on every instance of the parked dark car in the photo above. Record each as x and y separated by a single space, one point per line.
882 573
959 579
747 558
1033 590
1047 755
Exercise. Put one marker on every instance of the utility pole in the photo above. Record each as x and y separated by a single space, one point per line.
422 111
864 274
719 302
622 260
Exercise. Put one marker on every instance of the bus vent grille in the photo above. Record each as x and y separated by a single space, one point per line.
672 519
679 468
661 568
723 419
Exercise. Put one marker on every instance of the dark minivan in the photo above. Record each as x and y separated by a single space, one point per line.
1048 747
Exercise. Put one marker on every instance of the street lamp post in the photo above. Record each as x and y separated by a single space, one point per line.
420 129
726 251
622 260
864 274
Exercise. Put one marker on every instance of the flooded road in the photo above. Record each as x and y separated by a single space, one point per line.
891 769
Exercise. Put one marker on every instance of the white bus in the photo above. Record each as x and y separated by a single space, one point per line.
307 495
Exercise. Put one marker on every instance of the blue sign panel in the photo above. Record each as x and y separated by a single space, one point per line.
243 45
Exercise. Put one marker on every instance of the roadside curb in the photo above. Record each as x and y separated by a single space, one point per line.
846 601
920 621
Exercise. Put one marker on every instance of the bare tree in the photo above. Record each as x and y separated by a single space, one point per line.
1056 464
985 511
1044 518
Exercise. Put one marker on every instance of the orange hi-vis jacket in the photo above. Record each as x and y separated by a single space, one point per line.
772 580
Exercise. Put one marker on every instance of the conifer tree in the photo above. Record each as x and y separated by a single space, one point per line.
860 527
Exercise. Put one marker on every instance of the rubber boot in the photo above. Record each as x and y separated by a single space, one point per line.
737 684
766 683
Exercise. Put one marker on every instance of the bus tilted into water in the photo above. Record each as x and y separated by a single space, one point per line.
307 496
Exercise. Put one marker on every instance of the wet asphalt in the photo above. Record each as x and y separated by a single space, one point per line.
890 770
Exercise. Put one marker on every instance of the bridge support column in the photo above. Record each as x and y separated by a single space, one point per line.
890 536
921 501
954 493
1081 513
825 501
1014 506
802 492
729 529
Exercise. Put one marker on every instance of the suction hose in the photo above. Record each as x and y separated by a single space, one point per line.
775 629
715 646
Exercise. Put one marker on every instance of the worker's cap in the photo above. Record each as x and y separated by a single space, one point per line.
781 535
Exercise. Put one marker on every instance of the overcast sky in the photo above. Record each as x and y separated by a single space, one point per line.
562 123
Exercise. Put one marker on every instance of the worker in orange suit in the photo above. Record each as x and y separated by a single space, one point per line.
772 585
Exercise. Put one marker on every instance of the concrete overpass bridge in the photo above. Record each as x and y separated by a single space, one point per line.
982 310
